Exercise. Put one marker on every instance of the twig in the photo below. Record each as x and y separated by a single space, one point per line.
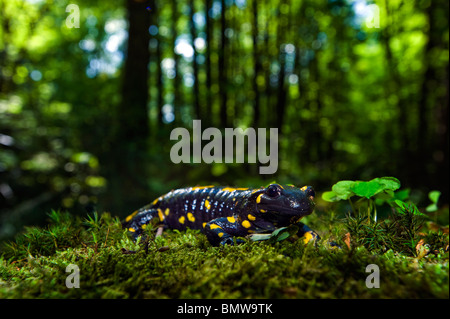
159 231
106 239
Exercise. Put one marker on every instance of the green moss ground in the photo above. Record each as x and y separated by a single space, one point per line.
185 265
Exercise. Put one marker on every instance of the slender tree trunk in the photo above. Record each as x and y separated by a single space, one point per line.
159 73
126 165
400 128
280 105
209 37
222 69
256 66
177 100
267 72
432 140
196 92
160 81
428 86
133 108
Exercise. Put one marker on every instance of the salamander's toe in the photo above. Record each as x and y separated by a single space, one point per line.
232 241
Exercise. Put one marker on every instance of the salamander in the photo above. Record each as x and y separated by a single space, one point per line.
225 213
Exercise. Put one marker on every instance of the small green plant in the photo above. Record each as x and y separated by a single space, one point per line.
92 222
434 198
400 232
381 188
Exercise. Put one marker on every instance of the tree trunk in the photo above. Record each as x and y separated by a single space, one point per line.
196 98
126 169
222 70
280 104
177 96
256 66
209 102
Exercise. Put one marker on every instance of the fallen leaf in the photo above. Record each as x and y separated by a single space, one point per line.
422 249
419 245
347 240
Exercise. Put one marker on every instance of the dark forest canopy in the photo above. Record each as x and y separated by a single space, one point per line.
86 112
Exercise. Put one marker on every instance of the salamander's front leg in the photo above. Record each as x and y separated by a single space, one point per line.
307 233
222 230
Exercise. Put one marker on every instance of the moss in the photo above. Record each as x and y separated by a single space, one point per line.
34 265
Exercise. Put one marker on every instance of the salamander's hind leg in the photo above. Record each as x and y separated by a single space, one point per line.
307 233
222 230
138 221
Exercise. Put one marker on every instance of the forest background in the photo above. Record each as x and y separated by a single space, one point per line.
86 111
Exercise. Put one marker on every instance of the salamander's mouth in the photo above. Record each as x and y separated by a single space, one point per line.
291 212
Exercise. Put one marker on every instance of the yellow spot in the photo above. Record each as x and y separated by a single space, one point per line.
281 186
234 199
220 234
131 229
131 216
231 189
231 219
167 211
214 226
251 217
263 210
304 188
307 237
201 187
181 219
160 215
144 226
204 224
190 217
258 199
156 200
246 224
207 204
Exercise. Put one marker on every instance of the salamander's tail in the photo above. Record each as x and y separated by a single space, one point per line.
138 220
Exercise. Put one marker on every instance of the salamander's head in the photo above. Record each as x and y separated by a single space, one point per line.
285 201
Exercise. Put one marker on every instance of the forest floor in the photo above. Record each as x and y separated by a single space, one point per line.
185 265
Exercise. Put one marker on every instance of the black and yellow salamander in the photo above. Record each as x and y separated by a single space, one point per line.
224 212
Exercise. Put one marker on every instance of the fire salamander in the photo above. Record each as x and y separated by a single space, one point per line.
223 213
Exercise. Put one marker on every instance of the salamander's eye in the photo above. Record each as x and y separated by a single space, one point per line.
310 192
273 191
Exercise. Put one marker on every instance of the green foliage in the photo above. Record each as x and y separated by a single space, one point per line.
59 234
376 189
377 186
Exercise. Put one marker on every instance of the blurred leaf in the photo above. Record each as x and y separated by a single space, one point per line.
402 195
385 195
434 196
389 183
330 196
366 189
342 189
